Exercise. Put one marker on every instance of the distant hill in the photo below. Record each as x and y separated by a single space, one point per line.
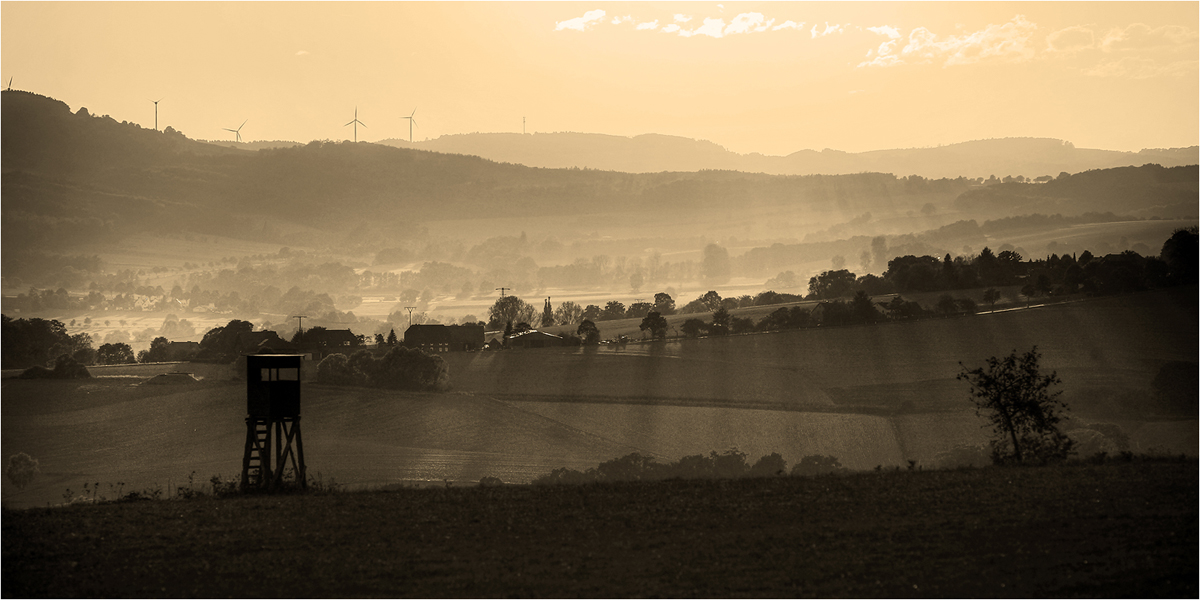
73 178
1146 191
259 145
652 153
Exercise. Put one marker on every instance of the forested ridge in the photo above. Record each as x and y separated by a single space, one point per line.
81 177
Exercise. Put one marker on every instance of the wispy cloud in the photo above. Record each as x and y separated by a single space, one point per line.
711 27
580 23
891 32
1007 42
748 23
302 53
1140 36
1142 68
744 23
1071 40
835 28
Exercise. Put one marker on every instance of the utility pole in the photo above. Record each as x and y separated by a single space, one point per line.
502 290
300 327
522 125
409 309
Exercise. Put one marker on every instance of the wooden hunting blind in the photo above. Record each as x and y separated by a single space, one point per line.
272 420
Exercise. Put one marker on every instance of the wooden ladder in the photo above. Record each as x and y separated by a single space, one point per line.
256 461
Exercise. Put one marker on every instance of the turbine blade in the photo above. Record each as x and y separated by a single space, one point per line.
242 125
348 124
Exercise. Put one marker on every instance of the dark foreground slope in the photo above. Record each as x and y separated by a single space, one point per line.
1114 530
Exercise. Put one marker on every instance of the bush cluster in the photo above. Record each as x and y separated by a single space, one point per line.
399 369
65 367
730 464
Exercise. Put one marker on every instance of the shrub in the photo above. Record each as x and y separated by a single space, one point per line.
730 464
562 476
65 367
694 327
335 369
818 464
963 456
21 469
631 467
400 369
490 481
769 466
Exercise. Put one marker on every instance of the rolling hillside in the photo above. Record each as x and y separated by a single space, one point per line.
75 178
870 395
652 153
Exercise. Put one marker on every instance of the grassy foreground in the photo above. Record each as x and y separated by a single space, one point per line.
1117 529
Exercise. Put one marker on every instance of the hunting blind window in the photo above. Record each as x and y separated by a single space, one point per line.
280 375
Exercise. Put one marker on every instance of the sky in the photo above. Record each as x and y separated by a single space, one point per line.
772 78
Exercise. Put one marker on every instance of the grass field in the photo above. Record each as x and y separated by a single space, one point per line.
1111 530
869 395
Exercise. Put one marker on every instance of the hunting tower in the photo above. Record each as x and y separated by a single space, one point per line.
272 420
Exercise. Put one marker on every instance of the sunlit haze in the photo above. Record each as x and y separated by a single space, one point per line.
772 78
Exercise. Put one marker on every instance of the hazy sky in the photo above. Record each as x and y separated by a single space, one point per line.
753 77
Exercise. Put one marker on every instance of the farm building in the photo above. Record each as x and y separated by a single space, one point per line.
322 342
444 338
534 339
251 342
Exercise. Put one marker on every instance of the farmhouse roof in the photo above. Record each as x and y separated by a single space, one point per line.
330 337
253 341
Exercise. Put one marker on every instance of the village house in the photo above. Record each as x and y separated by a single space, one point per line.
445 338
535 339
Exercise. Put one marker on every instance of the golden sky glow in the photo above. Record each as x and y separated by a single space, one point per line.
754 77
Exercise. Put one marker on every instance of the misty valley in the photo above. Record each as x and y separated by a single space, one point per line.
500 314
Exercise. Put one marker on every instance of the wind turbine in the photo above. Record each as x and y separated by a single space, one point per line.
355 123
237 132
155 112
411 122
9 84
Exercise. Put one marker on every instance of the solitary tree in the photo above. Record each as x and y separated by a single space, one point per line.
509 309
656 324
991 295
21 469
568 313
547 314
664 303
589 333
1014 396
114 354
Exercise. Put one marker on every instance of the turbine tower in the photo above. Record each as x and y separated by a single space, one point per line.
237 132
9 84
155 112
411 122
355 123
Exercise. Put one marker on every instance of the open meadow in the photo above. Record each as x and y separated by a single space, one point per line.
1118 529
872 396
